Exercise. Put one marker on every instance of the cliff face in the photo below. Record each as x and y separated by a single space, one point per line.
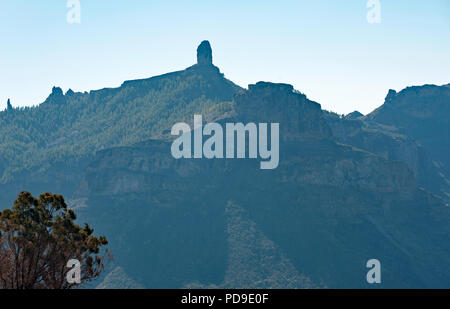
316 219
299 117
411 127
422 113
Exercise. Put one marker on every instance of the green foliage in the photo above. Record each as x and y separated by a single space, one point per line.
70 127
37 239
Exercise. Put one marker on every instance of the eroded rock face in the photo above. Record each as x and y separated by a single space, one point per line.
422 113
298 117
318 215
389 143
204 54
410 108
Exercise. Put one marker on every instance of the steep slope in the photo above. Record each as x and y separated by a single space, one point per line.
316 219
422 113
389 143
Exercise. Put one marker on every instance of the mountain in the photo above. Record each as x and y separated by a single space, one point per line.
422 113
347 189
45 148
412 126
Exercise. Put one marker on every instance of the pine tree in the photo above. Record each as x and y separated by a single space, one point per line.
38 237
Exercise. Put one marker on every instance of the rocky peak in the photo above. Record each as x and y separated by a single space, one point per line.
57 91
390 96
56 97
273 87
204 54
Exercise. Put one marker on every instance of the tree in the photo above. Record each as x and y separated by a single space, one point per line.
38 237
8 105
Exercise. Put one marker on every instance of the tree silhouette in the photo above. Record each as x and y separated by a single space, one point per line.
38 237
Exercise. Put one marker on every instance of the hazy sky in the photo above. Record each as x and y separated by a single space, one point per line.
326 49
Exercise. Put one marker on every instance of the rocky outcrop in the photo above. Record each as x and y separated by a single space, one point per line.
299 117
8 105
204 54
56 97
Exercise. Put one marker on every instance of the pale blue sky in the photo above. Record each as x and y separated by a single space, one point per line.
326 49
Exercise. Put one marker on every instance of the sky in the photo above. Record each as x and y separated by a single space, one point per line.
326 49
